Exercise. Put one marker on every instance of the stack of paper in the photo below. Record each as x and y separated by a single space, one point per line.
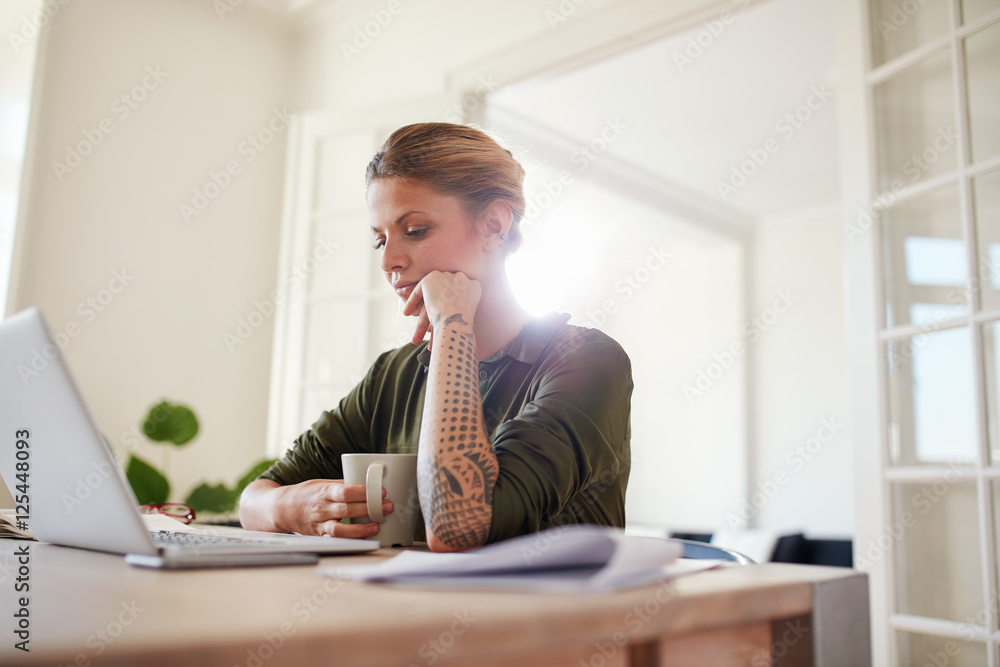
571 559
9 529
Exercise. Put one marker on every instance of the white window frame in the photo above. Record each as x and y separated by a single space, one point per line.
299 219
874 476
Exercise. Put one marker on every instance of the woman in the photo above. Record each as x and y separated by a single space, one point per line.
519 423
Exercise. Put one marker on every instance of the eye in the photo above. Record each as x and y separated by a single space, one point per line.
416 233
379 244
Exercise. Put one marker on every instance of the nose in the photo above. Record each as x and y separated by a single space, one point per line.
393 259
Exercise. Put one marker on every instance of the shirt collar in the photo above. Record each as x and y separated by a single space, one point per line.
527 346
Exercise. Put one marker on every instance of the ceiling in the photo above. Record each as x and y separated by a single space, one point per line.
695 107
288 6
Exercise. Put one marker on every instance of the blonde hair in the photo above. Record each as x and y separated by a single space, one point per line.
457 160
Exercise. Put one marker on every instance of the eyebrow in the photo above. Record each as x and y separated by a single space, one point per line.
399 220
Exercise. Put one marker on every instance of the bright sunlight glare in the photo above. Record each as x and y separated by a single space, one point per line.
557 251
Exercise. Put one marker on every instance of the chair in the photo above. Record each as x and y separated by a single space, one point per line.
790 548
703 551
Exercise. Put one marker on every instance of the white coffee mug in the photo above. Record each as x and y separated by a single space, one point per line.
397 473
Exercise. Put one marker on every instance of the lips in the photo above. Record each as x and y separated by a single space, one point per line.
403 288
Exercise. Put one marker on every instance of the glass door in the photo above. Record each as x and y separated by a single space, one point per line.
933 87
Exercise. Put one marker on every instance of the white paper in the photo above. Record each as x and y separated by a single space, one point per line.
8 526
571 559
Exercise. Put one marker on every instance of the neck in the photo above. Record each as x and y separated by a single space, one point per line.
499 317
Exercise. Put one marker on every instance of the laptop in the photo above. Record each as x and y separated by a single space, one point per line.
78 496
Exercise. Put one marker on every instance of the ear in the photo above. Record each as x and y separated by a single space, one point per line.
495 220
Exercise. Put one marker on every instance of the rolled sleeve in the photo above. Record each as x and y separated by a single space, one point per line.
564 457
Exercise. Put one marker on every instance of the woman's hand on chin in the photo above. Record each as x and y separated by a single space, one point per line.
442 295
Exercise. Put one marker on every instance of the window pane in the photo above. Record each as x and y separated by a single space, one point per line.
931 404
916 649
340 270
991 372
986 201
915 123
982 62
898 27
340 172
334 351
934 261
316 401
937 553
389 328
976 9
924 266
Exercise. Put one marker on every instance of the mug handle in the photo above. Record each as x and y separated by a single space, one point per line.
373 491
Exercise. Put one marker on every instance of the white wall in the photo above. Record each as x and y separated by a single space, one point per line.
118 211
687 449
800 395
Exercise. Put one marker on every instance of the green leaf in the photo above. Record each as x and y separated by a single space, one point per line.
168 422
148 483
253 474
217 499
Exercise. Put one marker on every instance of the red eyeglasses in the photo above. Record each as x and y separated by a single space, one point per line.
173 510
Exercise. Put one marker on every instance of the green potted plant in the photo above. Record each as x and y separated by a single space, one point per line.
176 425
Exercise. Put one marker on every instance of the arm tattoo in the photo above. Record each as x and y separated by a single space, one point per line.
457 468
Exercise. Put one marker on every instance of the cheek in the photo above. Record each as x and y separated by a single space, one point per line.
460 254
470 263
447 257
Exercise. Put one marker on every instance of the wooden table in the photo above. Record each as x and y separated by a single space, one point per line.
91 608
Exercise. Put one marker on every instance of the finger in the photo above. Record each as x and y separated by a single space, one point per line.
423 325
455 286
346 493
415 301
349 530
348 501
336 511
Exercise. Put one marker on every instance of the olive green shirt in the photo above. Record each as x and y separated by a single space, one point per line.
556 404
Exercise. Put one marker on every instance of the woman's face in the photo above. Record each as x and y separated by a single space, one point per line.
418 230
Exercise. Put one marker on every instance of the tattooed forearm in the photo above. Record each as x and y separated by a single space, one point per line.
455 319
457 469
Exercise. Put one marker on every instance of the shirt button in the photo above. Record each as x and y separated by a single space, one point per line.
482 375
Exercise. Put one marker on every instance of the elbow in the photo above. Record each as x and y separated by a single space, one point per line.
459 543
437 546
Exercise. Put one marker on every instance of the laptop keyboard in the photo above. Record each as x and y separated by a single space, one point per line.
171 538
